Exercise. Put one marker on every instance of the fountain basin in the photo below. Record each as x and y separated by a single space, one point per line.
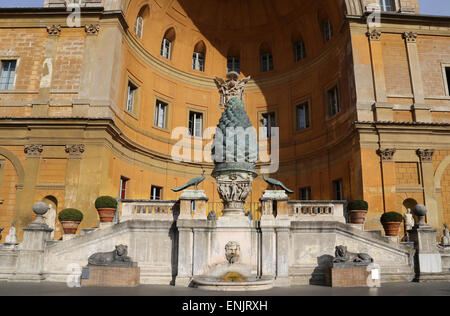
216 284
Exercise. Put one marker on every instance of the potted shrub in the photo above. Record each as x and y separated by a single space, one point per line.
357 211
391 222
106 207
70 218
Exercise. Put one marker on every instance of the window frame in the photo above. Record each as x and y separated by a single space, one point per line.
298 104
196 111
167 115
233 62
139 32
163 47
300 193
269 63
327 30
446 78
383 6
195 58
123 187
14 80
130 79
296 44
261 115
339 181
161 190
328 88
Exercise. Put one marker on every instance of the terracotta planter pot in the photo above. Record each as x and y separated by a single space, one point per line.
106 214
391 228
357 216
70 227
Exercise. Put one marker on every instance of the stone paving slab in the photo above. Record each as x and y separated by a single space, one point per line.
61 289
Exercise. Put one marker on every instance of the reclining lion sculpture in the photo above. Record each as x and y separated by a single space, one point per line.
345 257
116 258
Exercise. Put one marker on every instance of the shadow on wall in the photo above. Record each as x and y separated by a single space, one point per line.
318 276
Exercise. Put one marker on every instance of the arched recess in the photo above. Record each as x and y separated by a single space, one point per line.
440 171
16 163
50 217
442 187
167 43
199 56
141 21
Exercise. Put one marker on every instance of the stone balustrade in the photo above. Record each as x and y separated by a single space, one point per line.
317 210
148 209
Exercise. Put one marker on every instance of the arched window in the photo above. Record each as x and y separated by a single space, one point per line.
233 60
139 25
198 58
299 47
266 58
167 43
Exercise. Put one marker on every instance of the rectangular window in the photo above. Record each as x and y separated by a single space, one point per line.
305 194
333 101
338 190
139 27
131 96
7 74
195 124
123 188
156 193
233 64
300 51
160 114
327 31
387 5
268 121
166 48
303 116
266 62
447 77
198 62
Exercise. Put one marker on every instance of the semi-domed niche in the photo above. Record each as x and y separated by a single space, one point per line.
241 31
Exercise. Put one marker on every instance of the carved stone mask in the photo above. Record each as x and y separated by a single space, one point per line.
232 252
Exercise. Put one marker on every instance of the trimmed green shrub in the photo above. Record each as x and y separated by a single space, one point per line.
391 217
70 214
106 202
358 205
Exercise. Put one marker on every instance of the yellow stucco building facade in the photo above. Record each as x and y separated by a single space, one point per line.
89 101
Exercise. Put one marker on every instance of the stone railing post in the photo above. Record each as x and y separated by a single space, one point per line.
428 258
275 236
31 251
193 204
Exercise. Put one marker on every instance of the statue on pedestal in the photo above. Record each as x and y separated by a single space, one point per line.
445 241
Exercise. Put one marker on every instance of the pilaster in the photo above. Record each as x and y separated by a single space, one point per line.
382 109
73 171
421 111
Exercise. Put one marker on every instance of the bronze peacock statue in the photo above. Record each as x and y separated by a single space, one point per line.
194 182
274 183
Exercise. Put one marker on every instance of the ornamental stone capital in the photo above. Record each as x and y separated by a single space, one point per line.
75 151
410 37
425 155
92 29
54 30
374 35
33 151
386 154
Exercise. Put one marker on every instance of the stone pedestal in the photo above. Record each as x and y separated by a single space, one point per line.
193 204
274 204
31 256
428 258
363 276
110 276
275 226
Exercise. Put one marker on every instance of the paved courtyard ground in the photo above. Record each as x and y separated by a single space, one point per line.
61 289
